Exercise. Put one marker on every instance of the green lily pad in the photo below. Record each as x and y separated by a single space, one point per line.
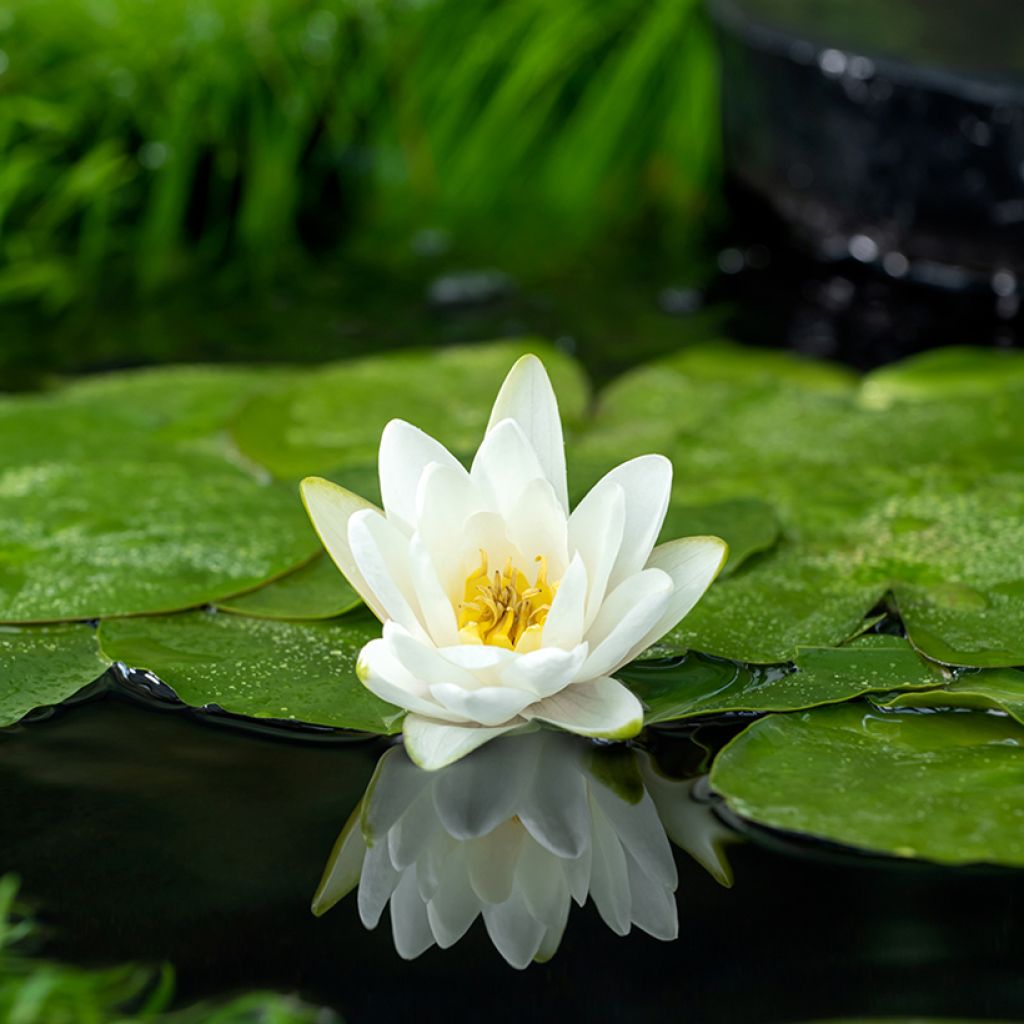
746 525
334 416
43 665
922 498
997 689
315 591
944 787
261 668
706 686
84 540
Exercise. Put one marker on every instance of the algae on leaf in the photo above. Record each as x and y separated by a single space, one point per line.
43 665
945 787
261 668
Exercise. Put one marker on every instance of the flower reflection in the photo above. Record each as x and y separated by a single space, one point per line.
514 833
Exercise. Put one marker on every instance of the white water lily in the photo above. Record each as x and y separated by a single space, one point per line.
501 608
512 834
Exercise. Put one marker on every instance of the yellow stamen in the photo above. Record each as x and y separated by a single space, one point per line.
503 609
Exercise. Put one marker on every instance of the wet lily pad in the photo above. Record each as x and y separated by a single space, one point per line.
315 591
997 689
705 686
334 416
746 525
924 498
43 665
945 787
84 540
261 668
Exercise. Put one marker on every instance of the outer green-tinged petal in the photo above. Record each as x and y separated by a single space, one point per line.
433 744
330 507
344 866
602 708
528 398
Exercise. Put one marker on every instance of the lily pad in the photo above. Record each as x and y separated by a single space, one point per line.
922 498
746 525
315 591
295 671
84 540
997 689
707 686
43 665
945 787
334 416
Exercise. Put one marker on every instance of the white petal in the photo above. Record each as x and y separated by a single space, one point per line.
410 926
545 671
595 534
396 783
627 616
609 877
646 483
504 464
376 884
432 744
381 552
515 932
528 398
541 880
692 564
492 861
446 500
553 937
476 795
436 607
537 526
563 627
556 811
344 866
652 906
405 452
488 705
641 832
486 662
425 662
384 675
455 906
412 833
330 507
601 708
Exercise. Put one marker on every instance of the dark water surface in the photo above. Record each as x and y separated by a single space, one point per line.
148 835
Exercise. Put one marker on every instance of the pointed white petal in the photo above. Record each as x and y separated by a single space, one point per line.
381 552
410 926
553 937
454 906
563 627
425 662
492 861
528 398
652 905
646 483
435 606
537 526
432 744
376 884
330 507
411 834
515 932
405 452
609 876
556 810
481 792
488 705
545 671
641 832
627 616
541 880
446 501
396 783
602 708
504 464
384 675
344 866
595 534
692 564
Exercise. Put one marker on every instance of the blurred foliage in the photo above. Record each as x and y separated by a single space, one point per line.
34 991
146 141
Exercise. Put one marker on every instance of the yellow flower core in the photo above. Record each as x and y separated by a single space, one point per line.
502 609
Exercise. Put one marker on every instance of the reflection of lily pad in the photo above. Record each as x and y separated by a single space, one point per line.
997 689
42 665
334 416
923 497
315 591
704 686
297 671
945 787
81 540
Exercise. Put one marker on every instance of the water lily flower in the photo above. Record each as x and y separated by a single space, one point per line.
513 834
500 607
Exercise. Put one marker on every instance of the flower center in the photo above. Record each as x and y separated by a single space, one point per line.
502 609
